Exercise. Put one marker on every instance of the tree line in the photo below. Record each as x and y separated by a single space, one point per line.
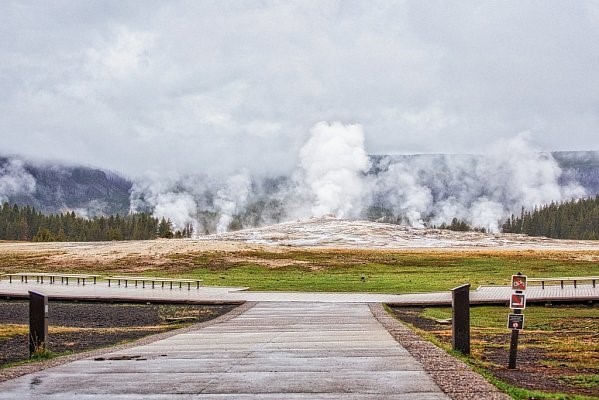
28 224
575 219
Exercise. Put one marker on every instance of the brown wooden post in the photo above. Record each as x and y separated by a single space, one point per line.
38 321
514 345
460 326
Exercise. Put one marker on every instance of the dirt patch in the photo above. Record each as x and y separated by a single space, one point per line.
76 327
540 366
267 262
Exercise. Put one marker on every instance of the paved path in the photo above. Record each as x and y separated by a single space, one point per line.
485 294
273 351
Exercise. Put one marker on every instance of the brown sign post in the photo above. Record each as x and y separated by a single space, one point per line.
38 322
516 320
460 323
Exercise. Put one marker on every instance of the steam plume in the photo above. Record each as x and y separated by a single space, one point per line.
335 177
332 164
478 190
231 199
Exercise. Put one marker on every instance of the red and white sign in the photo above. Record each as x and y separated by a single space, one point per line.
518 282
517 301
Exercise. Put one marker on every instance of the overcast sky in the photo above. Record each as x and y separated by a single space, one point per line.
223 85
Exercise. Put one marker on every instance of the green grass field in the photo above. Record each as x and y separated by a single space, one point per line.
334 270
347 271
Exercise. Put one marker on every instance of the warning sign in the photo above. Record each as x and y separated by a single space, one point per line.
515 321
518 282
517 301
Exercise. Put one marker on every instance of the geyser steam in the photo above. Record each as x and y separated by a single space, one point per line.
481 190
336 177
333 163
231 199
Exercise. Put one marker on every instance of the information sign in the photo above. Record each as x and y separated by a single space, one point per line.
515 321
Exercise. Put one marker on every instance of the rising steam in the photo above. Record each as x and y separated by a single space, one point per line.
333 163
481 190
231 199
336 177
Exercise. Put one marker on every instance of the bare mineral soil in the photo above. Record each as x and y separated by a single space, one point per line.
75 327
315 233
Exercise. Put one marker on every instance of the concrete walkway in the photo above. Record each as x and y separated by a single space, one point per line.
272 351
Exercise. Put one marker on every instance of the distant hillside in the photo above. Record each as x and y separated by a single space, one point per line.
580 166
53 188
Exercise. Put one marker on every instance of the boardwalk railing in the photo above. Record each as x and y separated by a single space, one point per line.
153 281
51 278
575 280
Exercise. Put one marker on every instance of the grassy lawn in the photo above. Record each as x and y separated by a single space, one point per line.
333 270
558 353
375 271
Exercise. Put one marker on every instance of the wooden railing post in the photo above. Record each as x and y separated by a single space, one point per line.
38 322
460 323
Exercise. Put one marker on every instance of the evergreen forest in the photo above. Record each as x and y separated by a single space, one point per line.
575 219
28 224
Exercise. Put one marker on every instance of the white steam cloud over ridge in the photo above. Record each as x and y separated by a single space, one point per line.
481 190
335 177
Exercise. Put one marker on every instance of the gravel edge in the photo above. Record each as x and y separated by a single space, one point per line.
20 370
453 376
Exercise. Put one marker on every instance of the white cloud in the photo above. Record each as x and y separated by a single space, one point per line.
225 86
125 54
15 180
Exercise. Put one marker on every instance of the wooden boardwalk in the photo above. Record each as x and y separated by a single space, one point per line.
101 291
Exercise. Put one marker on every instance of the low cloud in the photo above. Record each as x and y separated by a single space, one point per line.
15 180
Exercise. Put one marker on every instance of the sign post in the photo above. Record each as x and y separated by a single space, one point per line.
460 324
516 319
38 322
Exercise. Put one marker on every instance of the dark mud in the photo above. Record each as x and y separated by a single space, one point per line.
85 326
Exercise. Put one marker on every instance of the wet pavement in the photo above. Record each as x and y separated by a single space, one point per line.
273 350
